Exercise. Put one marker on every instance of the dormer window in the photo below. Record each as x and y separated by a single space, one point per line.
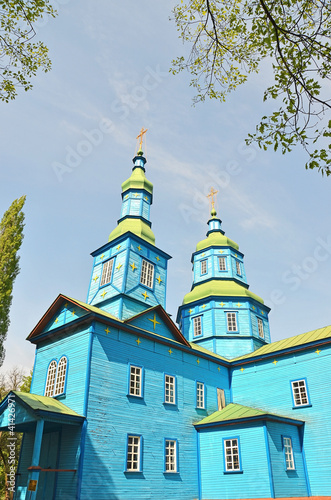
203 266
107 270
147 274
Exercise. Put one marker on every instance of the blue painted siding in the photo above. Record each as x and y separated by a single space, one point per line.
24 463
148 417
253 482
75 347
267 386
287 483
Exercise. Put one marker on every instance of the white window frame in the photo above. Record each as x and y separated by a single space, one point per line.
300 392
200 395
61 374
135 381
222 263
231 321
238 268
51 378
197 326
288 453
107 271
170 456
133 458
203 266
260 328
231 455
147 273
169 389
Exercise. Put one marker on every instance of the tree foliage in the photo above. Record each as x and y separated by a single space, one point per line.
20 57
13 380
231 38
11 235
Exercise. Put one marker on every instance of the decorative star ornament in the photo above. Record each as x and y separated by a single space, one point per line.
145 295
133 266
154 321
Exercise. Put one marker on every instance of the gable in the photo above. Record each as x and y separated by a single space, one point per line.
64 311
155 320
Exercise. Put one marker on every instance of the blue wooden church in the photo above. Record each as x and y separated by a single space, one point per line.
125 404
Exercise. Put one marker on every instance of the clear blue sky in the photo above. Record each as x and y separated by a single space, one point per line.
111 66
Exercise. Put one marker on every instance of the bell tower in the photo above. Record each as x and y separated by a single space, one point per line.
220 313
129 272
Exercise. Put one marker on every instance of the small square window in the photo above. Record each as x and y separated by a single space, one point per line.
107 269
221 264
200 395
300 393
170 455
231 319
232 455
147 274
197 326
133 454
260 328
135 385
288 453
238 268
169 389
203 266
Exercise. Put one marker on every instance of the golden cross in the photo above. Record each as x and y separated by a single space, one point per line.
211 196
141 136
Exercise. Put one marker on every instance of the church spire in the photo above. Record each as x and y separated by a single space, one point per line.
220 313
137 197
129 272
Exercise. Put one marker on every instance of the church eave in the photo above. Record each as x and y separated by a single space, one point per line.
136 238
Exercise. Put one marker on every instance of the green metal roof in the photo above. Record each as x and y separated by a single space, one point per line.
94 309
137 180
44 403
203 350
135 226
298 340
238 412
222 288
216 239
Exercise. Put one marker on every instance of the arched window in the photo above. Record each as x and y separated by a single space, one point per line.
56 377
61 376
50 381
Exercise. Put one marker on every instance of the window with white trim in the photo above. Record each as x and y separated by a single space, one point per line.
231 454
61 376
169 389
238 267
51 376
147 274
200 395
231 319
300 393
107 270
203 266
197 326
170 461
260 328
133 454
135 381
288 453
221 263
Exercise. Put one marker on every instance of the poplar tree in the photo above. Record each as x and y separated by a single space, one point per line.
11 236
